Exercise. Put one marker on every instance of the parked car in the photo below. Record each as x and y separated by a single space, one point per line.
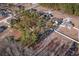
3 28
47 16
3 12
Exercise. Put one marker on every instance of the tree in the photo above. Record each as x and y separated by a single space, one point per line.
70 8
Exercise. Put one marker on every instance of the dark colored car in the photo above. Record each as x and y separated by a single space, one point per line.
47 16
3 28
3 12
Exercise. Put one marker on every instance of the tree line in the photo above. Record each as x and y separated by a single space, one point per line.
71 8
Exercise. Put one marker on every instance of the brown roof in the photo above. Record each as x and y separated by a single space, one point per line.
16 33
